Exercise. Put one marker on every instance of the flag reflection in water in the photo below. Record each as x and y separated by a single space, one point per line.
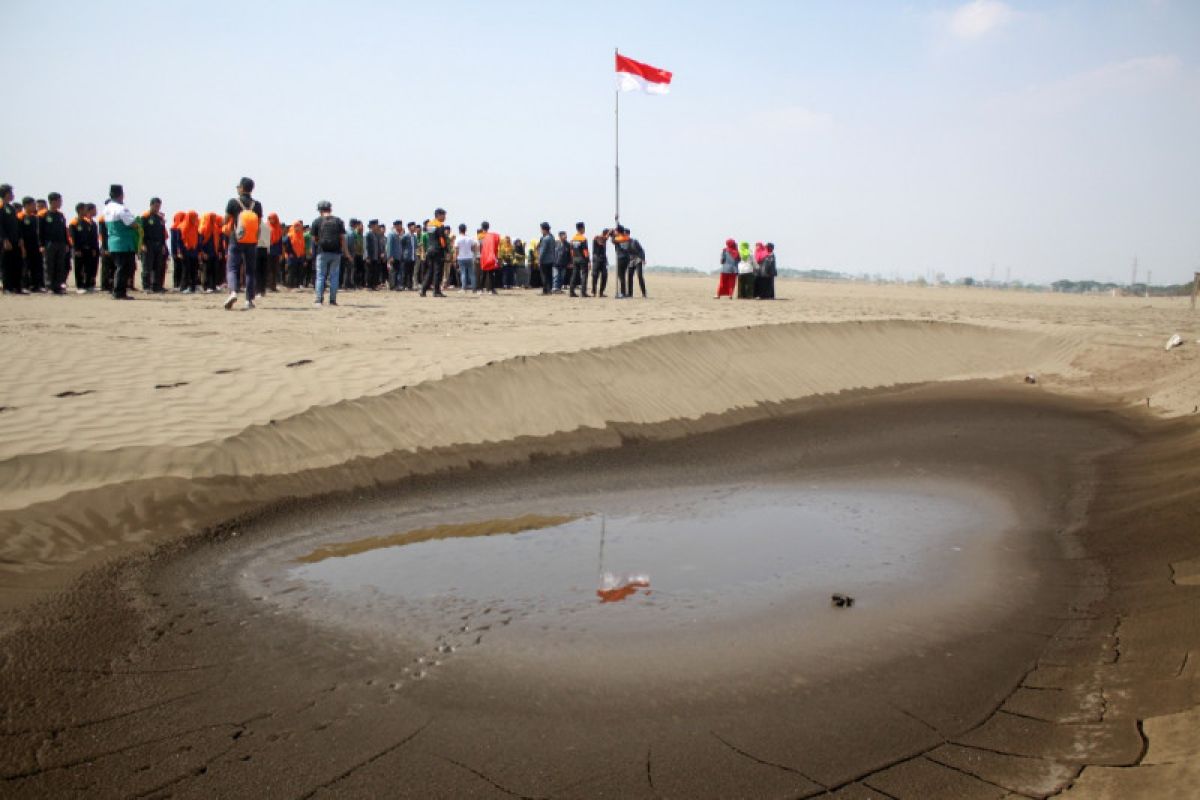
615 588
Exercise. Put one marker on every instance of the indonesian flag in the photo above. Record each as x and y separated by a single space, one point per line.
633 76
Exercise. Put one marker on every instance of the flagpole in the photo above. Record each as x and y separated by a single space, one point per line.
617 141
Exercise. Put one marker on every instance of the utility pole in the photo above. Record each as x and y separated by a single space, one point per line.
1149 278
1133 276
1195 289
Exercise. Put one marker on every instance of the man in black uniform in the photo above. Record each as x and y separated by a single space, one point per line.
86 244
600 263
579 260
31 245
637 260
154 248
10 243
624 251
55 244
437 242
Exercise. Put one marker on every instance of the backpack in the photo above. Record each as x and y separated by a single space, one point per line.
329 236
247 226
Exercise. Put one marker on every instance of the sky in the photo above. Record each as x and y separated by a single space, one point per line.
1037 140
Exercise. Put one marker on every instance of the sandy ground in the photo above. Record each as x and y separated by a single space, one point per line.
127 425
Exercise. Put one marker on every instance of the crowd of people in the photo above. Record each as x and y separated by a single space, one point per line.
243 249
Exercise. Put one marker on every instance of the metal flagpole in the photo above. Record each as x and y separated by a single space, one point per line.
617 141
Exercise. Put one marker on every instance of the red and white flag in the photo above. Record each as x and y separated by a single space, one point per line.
634 76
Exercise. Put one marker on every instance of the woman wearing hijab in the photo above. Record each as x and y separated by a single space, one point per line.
177 251
274 252
758 287
745 273
189 252
767 273
210 247
729 267
294 248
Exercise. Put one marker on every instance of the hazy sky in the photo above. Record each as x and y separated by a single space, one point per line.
1052 139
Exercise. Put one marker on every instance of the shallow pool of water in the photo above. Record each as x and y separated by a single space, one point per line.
718 553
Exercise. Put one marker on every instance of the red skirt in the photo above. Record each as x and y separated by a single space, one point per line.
726 284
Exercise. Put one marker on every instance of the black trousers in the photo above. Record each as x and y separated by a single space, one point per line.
85 269
189 272
107 268
154 268
406 274
599 278
13 269
262 258
547 271
295 272
579 274
58 264
622 268
35 276
177 271
635 268
122 272
433 274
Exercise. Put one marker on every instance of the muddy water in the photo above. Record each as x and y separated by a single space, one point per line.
700 581
725 551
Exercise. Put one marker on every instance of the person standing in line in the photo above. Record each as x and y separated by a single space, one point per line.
547 257
600 262
562 264
352 270
310 258
11 266
189 253
579 260
450 274
56 243
766 274
520 273
154 248
121 225
86 248
329 236
108 267
391 249
243 216
466 247
745 273
489 259
210 244
730 258
507 260
177 251
437 240
376 255
409 256
274 253
262 254
293 248
33 273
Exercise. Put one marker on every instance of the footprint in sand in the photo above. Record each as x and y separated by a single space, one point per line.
225 371
73 393
300 363
170 385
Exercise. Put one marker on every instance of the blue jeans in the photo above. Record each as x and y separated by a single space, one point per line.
329 267
241 258
558 278
466 273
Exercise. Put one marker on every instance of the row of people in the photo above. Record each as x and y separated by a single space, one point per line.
209 252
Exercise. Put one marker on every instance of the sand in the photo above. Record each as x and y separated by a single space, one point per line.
128 426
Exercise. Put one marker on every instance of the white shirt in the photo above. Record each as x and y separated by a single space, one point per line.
466 247
115 210
264 234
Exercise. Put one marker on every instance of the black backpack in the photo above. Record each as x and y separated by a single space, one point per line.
329 235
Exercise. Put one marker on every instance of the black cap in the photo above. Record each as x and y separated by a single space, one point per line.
115 190
324 205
